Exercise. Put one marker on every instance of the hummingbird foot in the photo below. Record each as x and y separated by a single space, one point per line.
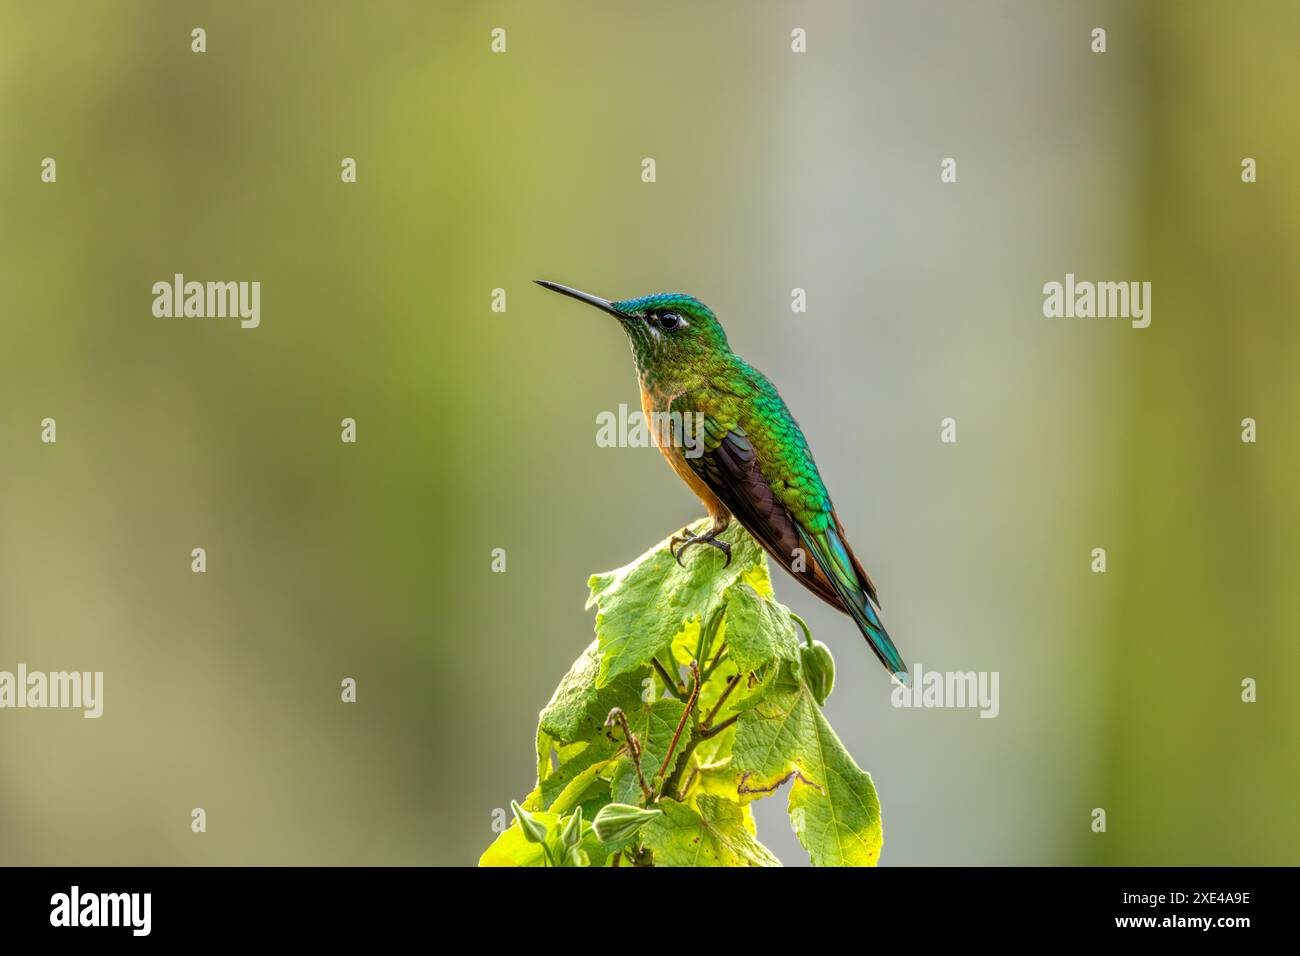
687 539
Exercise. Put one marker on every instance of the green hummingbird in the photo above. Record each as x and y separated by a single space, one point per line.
751 461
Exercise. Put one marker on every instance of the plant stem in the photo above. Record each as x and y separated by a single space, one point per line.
717 659
616 716
807 634
708 630
674 785
690 705
673 686
686 787
714 731
722 699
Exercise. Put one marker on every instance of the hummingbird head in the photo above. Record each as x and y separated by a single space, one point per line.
666 330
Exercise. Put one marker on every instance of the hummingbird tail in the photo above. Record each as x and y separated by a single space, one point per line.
829 550
868 621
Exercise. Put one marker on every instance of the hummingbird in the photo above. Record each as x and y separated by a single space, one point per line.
752 461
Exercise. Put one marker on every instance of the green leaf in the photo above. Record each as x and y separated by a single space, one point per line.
642 606
568 786
576 856
578 707
833 805
757 628
513 848
716 835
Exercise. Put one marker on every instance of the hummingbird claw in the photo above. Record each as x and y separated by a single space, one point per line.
688 539
682 538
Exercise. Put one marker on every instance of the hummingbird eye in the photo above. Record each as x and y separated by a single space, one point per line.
669 321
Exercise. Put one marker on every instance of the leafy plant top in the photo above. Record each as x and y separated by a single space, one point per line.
700 694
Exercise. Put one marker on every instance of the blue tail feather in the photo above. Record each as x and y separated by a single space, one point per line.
854 597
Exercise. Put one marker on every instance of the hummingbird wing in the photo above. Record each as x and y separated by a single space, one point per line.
753 456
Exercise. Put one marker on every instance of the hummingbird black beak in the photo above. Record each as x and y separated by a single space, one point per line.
603 304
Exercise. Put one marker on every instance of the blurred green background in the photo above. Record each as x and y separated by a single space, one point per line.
477 429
